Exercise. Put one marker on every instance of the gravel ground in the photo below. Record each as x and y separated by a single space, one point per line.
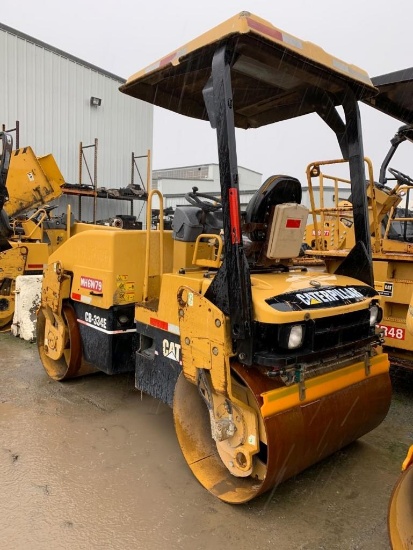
93 464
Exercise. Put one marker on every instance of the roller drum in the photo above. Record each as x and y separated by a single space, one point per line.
295 438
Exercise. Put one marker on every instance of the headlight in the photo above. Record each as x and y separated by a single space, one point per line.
291 336
123 319
375 315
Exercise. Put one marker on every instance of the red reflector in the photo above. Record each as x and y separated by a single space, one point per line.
158 324
274 33
292 223
35 266
234 216
75 296
167 59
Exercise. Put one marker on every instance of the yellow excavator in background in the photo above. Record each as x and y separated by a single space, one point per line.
268 367
26 182
390 220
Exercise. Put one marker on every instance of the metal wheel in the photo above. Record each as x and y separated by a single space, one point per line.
202 453
60 348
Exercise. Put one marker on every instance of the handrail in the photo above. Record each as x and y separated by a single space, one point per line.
313 170
399 189
148 232
205 262
37 222
68 221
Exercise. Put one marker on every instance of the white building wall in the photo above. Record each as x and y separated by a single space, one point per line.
175 188
48 92
248 179
328 196
172 186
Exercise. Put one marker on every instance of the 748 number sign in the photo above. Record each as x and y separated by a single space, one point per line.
393 332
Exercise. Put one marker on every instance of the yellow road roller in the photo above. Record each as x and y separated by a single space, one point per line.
268 367
400 513
400 516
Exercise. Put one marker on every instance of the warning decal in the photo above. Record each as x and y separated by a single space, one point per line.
293 223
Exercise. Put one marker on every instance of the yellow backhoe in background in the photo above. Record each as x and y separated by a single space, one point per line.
27 182
269 368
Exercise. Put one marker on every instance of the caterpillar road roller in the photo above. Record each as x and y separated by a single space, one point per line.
26 182
268 367
390 218
400 513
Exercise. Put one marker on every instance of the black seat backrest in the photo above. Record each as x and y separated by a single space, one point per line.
275 190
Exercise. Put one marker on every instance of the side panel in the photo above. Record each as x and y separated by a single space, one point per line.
394 283
108 336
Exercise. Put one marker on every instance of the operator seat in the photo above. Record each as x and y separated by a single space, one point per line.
275 190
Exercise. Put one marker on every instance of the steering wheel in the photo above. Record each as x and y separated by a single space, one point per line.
49 208
402 178
209 204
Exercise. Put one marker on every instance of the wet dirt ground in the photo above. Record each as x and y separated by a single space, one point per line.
93 464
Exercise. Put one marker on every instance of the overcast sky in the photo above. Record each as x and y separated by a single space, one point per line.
124 36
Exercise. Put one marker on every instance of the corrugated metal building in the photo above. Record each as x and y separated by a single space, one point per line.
49 93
